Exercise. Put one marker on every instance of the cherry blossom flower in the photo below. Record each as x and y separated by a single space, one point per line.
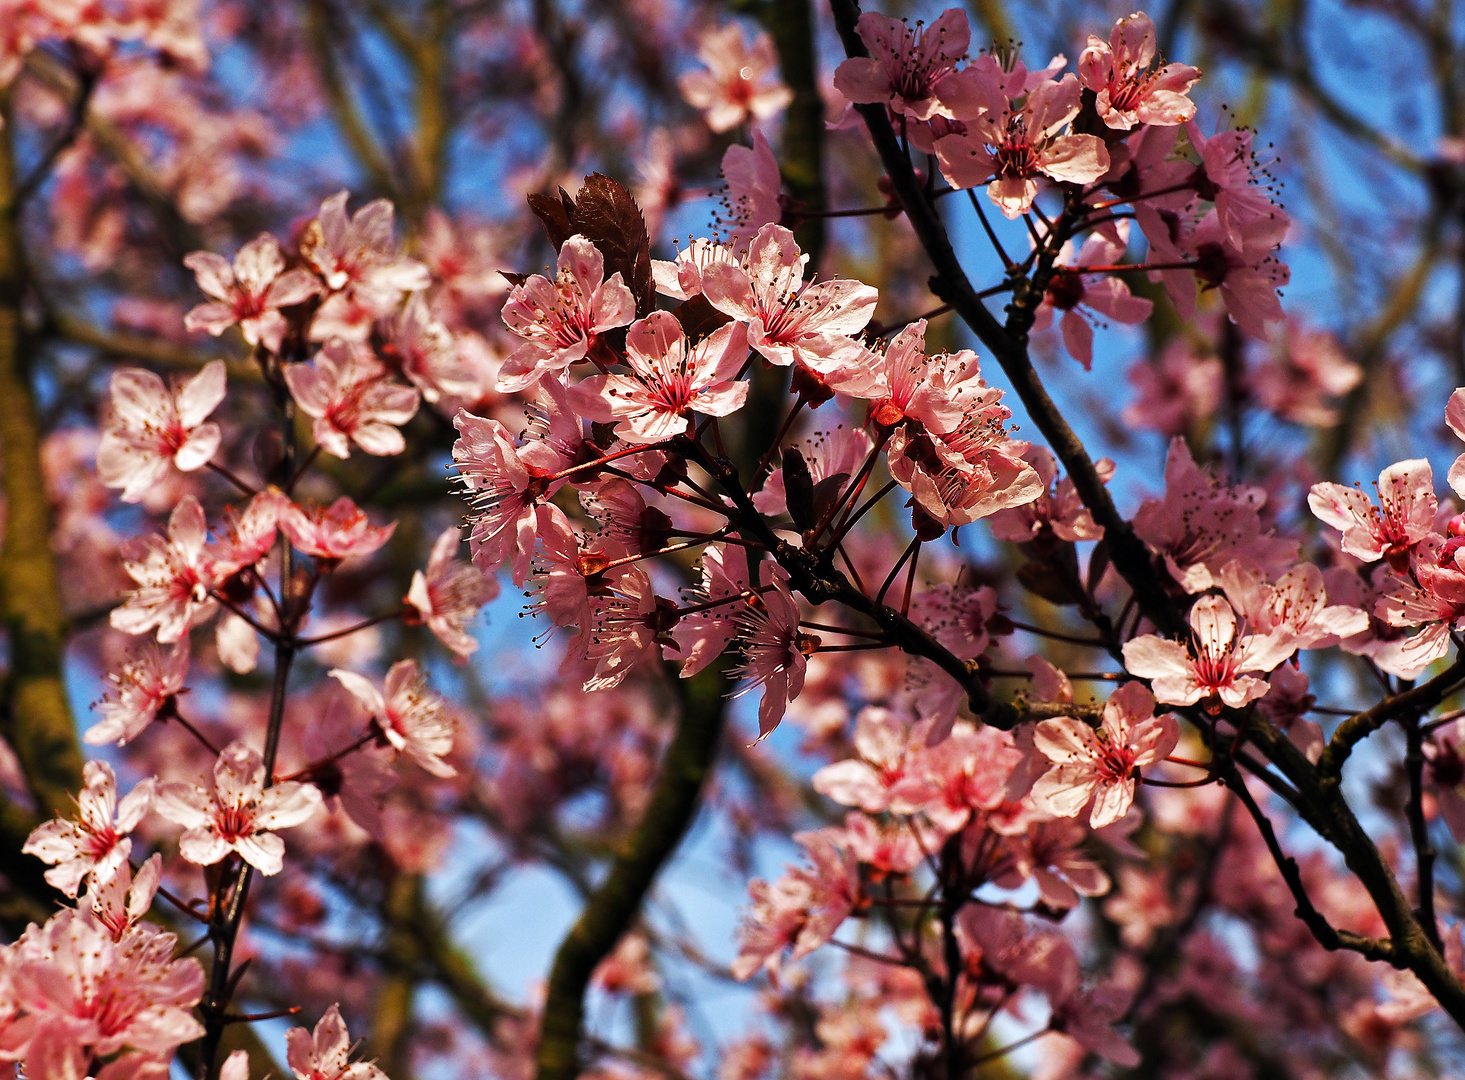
1213 668
741 81
251 293
771 925
775 649
240 814
351 777
94 845
247 537
415 720
1058 509
702 636
1201 525
1011 147
429 355
790 320
143 687
341 531
561 320
1131 88
1176 390
357 260
906 67
1245 270
1304 369
174 579
1297 604
1070 289
681 278
754 195
1455 418
121 903
151 427
1100 765
448 595
904 384
1389 531
840 452
1226 179
74 987
352 398
324 1054
626 622
887 749
669 380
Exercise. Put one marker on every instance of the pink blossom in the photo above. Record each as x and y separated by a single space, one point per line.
626 620
151 427
356 257
561 320
74 986
143 687
1060 865
1100 765
415 720
239 814
740 82
429 355
775 649
94 845
352 398
448 595
1070 289
801 910
249 536
1131 87
1304 369
251 293
1176 390
1058 509
351 776
827 454
904 384
1201 525
1455 418
960 476
754 194
121 903
906 67
790 320
1011 147
174 579
1244 269
771 925
1213 668
341 531
1296 604
887 748
967 773
1389 531
324 1054
669 380
702 636
681 278
1226 174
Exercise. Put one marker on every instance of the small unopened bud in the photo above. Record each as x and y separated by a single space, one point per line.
808 644
592 563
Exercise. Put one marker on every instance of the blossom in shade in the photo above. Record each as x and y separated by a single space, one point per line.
1174 390
775 649
906 67
1455 418
74 990
1071 289
325 1053
174 578
1227 178
1058 508
1012 146
250 293
560 320
790 320
151 427
702 636
1100 765
139 691
1131 88
754 193
887 749
237 812
1214 666
415 720
669 380
429 354
740 82
1389 531
352 398
827 454
337 532
449 593
122 902
1304 370
96 843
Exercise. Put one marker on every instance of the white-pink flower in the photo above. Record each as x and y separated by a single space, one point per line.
1214 667
151 427
340 531
325 1053
1058 508
1130 87
429 354
702 636
906 67
174 578
776 650
237 812
353 399
415 720
789 319
448 595
141 688
670 379
1011 147
121 903
1100 765
904 384
251 293
560 320
95 844
357 258
1389 531
740 82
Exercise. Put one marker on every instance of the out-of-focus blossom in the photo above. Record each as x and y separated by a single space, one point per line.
740 82
340 531
250 293
151 427
353 399
94 845
449 593
325 1053
414 719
